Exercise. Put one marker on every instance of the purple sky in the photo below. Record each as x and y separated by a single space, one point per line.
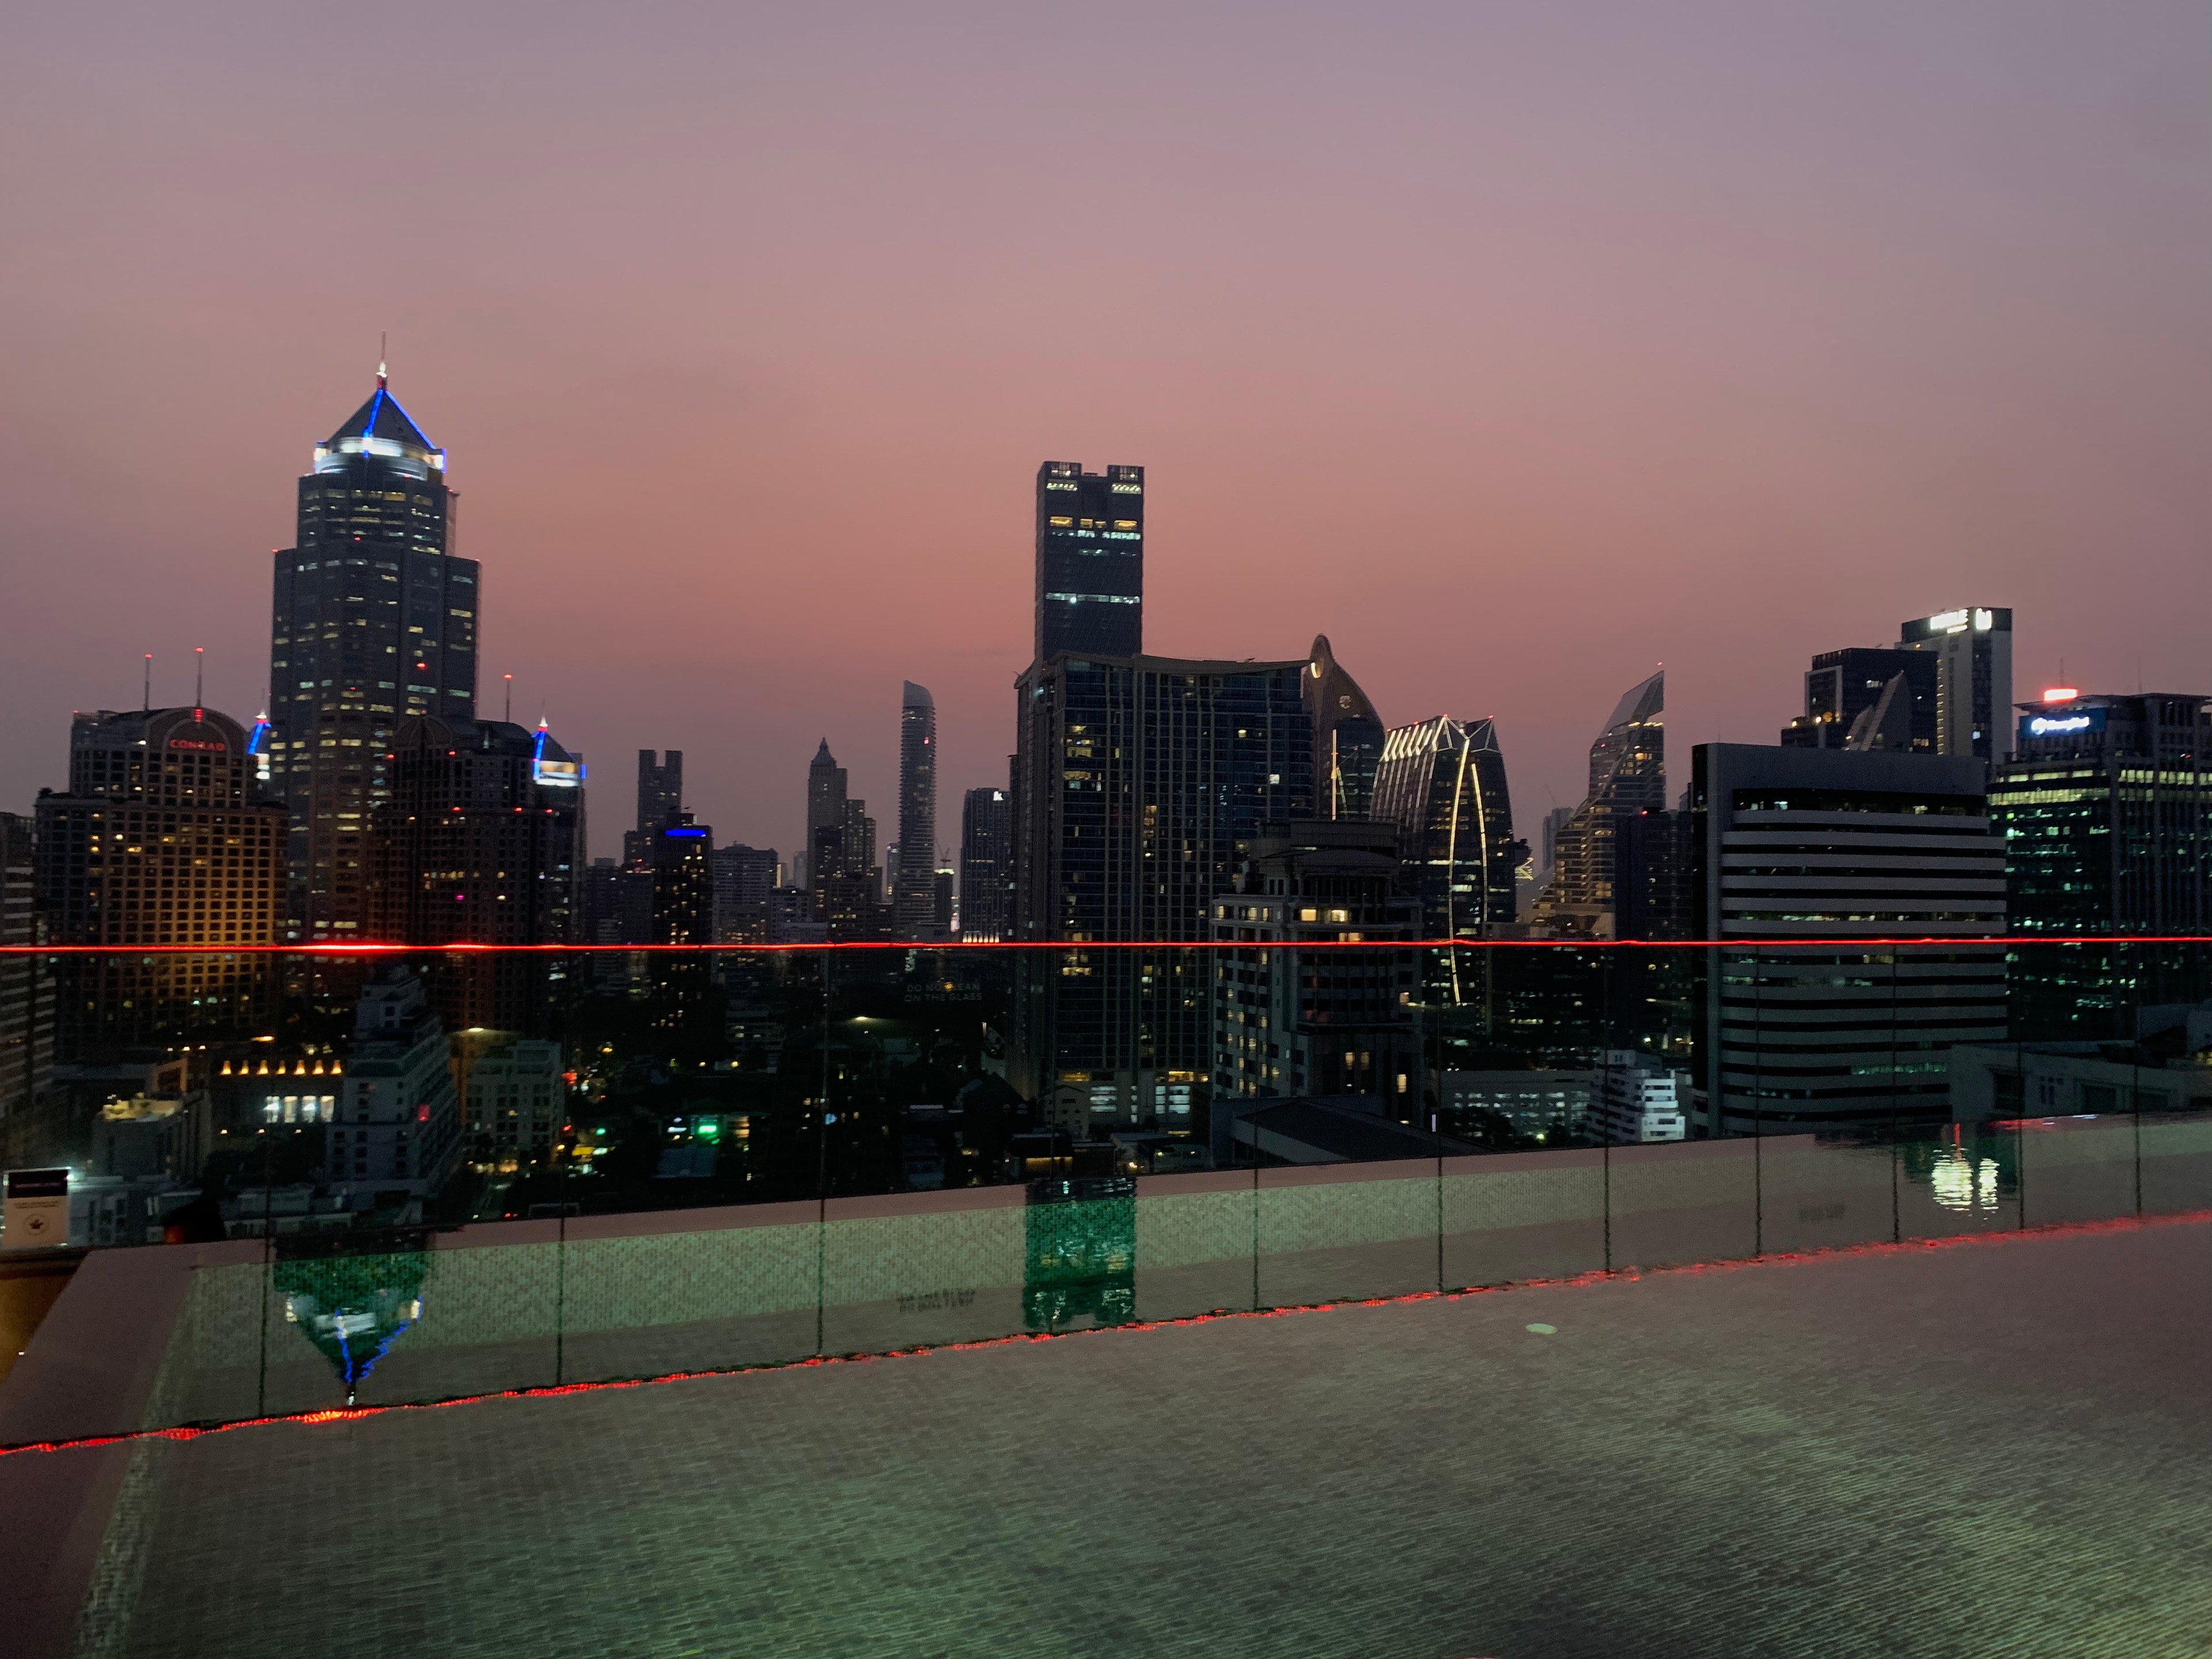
1515 347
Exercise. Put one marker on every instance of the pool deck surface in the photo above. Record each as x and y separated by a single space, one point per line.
1988 1449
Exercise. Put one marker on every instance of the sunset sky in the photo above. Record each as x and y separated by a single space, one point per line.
1516 347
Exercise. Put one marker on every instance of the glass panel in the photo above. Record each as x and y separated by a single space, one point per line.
1345 1230
1692 1201
1523 1216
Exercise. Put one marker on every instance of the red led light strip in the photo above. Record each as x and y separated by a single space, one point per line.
1595 1276
1850 942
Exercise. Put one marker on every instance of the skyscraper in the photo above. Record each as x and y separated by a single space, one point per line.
986 867
1442 783
915 903
27 989
1348 736
480 842
1972 647
1849 850
659 799
2106 811
1089 561
826 794
374 619
1139 783
162 839
1627 774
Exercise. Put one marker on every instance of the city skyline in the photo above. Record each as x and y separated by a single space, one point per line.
1589 373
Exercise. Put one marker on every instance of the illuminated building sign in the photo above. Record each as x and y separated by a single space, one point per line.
2061 725
553 774
681 830
212 745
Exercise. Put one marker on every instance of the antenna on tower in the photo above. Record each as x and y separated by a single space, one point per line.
199 682
146 697
383 355
509 715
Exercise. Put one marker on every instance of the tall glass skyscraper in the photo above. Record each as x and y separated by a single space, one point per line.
1443 783
1089 561
374 620
1627 775
1347 736
913 905
1139 784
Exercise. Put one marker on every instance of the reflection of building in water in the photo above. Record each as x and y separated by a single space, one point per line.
354 1308
1080 1252
1960 1180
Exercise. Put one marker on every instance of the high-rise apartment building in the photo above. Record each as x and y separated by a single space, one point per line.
27 989
682 914
1839 854
2105 808
1139 784
745 881
841 872
162 839
1442 783
914 904
398 1125
375 618
1972 648
480 842
986 867
1089 561
1297 1021
1627 774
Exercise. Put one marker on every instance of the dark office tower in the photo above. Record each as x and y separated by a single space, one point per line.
1137 785
659 799
1089 561
1972 648
913 903
744 880
1627 774
1839 854
1348 736
374 620
847 885
1300 1023
2106 811
162 839
1853 701
825 793
480 842
27 989
986 867
1442 784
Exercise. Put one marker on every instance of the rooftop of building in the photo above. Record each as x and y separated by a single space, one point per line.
1995 1446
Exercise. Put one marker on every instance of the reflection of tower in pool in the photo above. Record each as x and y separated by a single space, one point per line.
354 1308
1080 1261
